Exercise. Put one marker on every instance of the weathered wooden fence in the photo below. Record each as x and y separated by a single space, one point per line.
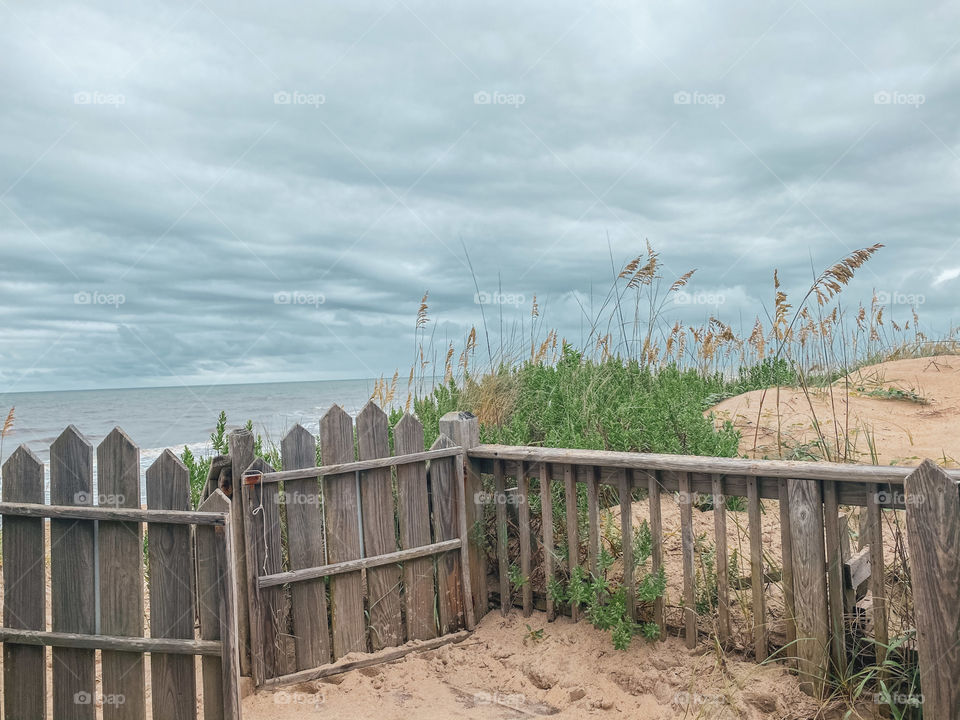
96 593
821 577
334 565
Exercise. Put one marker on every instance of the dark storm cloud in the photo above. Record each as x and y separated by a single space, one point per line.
216 192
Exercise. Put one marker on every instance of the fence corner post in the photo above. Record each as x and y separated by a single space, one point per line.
463 428
241 445
933 539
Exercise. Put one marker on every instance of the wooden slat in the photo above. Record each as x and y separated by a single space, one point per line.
503 560
723 574
656 547
173 677
546 507
573 539
305 538
844 473
593 521
878 589
360 465
526 557
810 574
786 544
73 575
265 557
686 536
241 455
342 507
464 429
758 606
110 514
221 691
831 517
121 576
470 618
24 596
933 538
626 540
446 526
414 511
92 641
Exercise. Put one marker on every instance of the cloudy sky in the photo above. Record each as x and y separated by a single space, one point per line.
232 192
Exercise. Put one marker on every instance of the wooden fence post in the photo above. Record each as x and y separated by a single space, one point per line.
933 537
463 429
810 574
241 456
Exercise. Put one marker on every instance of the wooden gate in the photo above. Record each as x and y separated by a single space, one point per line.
97 588
355 551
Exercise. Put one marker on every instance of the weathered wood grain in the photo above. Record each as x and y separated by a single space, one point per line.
593 522
878 589
573 538
308 600
380 529
625 487
173 677
503 558
723 574
933 532
831 520
414 510
121 576
73 578
786 544
217 614
24 596
656 547
92 641
549 544
265 557
464 429
446 526
686 534
758 605
342 515
355 466
526 552
810 574
241 455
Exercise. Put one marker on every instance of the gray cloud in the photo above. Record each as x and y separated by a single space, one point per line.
199 159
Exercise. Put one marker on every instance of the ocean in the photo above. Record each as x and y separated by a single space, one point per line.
174 417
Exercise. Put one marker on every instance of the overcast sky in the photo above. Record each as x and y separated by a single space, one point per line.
235 192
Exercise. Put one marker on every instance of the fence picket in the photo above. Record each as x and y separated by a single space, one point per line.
689 587
573 540
343 534
723 575
24 597
121 576
546 507
526 560
173 677
656 546
379 529
759 605
446 526
308 600
73 579
625 486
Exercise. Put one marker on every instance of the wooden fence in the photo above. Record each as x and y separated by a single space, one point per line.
820 574
96 590
377 570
